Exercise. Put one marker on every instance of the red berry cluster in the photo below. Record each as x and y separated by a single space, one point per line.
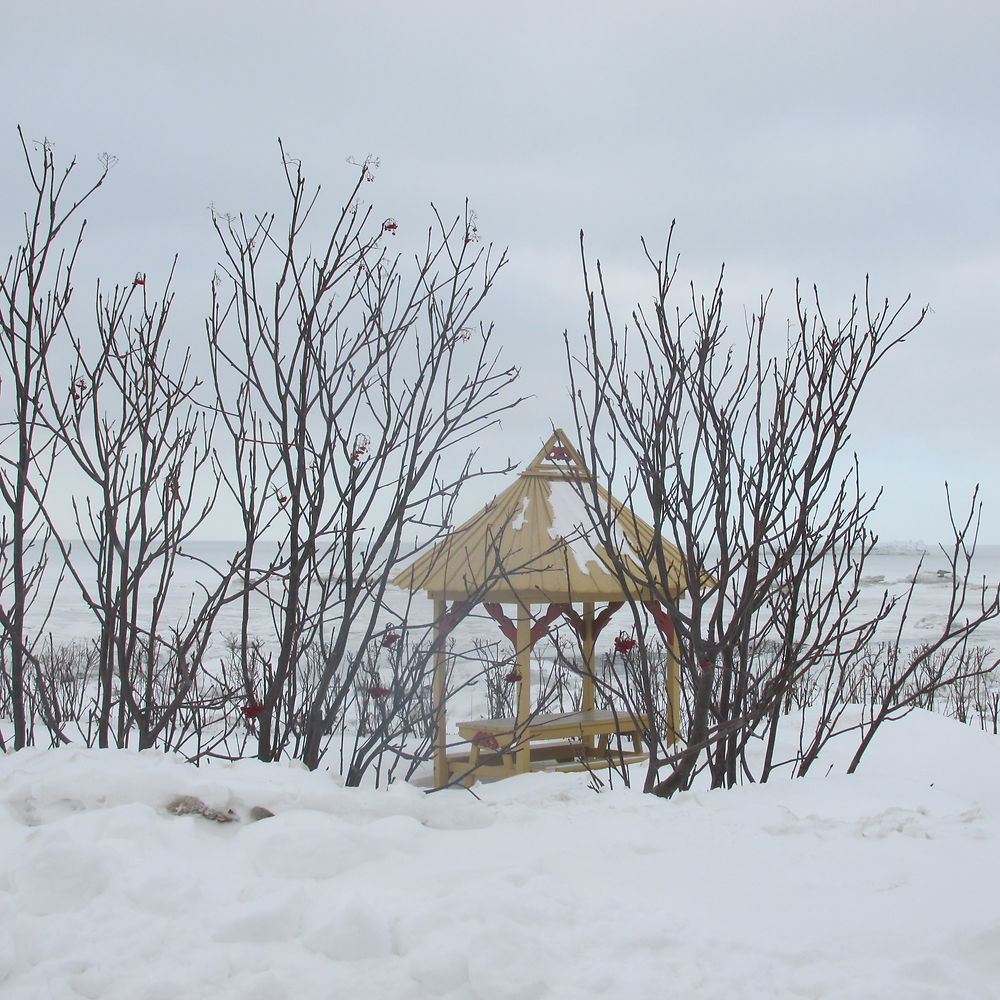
361 444
624 643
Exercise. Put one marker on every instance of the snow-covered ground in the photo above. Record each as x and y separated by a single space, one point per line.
880 884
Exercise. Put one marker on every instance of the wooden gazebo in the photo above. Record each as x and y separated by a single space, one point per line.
533 544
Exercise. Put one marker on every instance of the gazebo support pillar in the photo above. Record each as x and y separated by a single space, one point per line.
589 693
673 689
523 758
441 773
588 696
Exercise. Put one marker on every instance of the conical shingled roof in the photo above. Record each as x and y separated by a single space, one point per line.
533 543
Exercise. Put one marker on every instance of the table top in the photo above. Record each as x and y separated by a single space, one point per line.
556 724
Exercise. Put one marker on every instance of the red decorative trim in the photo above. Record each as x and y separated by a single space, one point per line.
451 618
538 629
541 627
600 620
574 618
509 629
663 621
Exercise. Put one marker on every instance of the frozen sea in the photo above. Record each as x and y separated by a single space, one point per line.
889 570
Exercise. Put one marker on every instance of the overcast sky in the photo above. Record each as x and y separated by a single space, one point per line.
824 141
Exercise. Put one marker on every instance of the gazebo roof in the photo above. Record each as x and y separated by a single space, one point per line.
534 544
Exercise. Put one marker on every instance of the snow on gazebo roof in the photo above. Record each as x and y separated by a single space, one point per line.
534 543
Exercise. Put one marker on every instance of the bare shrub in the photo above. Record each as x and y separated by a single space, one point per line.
737 455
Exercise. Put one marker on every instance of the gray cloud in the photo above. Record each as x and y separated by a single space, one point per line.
826 141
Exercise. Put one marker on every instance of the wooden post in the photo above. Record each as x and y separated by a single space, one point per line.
673 688
589 694
441 774
523 758
588 698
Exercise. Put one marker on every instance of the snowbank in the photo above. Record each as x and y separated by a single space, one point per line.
881 884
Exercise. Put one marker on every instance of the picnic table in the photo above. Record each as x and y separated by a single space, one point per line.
557 741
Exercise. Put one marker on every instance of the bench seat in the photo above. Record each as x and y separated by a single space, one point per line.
557 741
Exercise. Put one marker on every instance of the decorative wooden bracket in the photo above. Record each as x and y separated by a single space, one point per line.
576 621
538 629
663 621
600 620
451 618
541 627
509 629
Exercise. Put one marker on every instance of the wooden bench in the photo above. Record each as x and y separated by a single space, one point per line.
559 741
